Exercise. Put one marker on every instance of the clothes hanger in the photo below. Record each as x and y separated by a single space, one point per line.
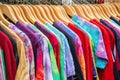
17 9
64 13
103 11
106 10
100 12
38 14
22 13
32 11
110 10
28 14
91 14
115 9
8 12
86 12
69 11
97 15
79 11
2 24
59 14
47 12
53 14
6 22
42 12
16 13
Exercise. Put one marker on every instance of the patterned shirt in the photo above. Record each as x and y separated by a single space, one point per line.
55 72
22 69
62 70
77 46
37 41
68 62
28 50
99 48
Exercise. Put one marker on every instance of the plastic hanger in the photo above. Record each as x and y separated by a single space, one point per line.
28 14
3 19
59 15
42 12
47 12
17 13
38 14
8 12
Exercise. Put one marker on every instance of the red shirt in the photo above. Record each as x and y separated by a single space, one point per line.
106 73
86 50
10 61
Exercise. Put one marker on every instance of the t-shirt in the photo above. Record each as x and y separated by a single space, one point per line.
37 42
87 50
103 73
53 40
51 73
68 59
74 43
99 47
28 50
22 69
7 48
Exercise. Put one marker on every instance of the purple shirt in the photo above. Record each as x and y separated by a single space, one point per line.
37 43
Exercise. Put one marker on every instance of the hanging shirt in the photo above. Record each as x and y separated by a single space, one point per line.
37 43
116 74
75 47
99 48
22 69
53 40
6 46
117 37
14 45
2 66
115 20
68 62
47 54
103 74
62 55
28 50
50 68
87 50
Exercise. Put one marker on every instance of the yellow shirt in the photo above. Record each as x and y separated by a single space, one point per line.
22 70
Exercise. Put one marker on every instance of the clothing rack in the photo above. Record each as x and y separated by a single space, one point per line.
60 42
